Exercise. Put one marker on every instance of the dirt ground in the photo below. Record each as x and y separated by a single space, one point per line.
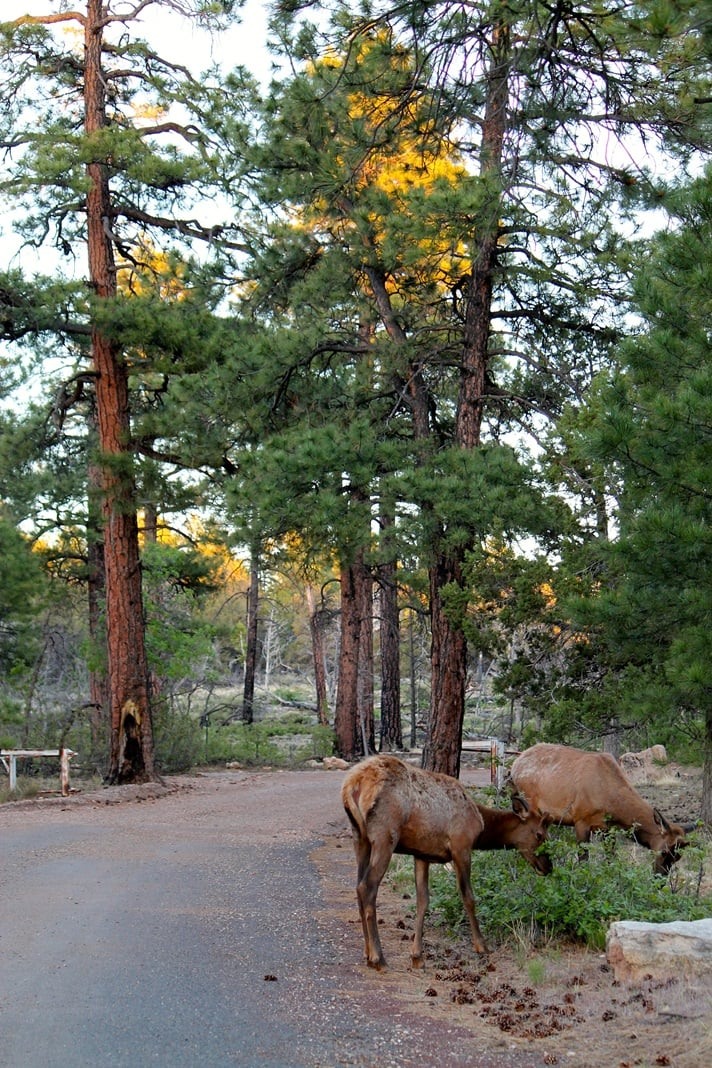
563 1003
548 1005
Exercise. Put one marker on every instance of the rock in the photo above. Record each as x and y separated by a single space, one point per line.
335 764
664 950
648 766
656 754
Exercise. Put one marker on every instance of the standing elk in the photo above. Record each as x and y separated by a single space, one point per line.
589 792
394 807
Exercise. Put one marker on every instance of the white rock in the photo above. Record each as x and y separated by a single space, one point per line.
656 754
335 764
635 949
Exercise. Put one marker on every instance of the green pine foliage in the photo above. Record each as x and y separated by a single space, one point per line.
277 366
652 608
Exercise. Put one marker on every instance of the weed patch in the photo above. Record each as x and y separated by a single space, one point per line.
580 898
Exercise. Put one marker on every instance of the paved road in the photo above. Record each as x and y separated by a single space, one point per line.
184 931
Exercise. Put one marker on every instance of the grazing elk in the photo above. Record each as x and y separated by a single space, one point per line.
589 791
396 808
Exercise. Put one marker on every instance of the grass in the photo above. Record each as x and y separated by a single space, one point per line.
579 900
27 787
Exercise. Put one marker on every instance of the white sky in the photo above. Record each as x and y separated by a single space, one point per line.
178 40
243 45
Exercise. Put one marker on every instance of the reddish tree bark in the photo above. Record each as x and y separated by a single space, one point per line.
131 752
449 648
448 667
353 717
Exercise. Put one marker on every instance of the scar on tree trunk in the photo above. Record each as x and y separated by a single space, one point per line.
131 764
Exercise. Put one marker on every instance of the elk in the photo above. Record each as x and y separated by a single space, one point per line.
394 807
589 792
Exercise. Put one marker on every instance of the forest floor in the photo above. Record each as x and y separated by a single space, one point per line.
550 1004
563 1001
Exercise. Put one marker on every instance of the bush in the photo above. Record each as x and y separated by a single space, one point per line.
177 740
579 899
282 742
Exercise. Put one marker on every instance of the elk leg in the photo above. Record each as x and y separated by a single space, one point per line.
362 849
367 889
422 898
583 837
462 869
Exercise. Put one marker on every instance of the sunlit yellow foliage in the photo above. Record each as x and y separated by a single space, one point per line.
147 270
301 563
229 568
547 592
390 181
148 111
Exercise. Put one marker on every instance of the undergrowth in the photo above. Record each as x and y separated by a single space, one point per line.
286 741
578 900
25 789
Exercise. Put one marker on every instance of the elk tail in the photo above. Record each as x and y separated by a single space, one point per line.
350 798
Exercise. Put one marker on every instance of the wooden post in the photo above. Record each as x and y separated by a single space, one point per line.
65 755
497 762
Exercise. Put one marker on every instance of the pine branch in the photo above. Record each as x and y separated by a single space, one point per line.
188 227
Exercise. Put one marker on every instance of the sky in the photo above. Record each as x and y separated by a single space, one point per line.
243 45
177 39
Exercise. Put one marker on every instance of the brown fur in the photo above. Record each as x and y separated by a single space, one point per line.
589 791
520 828
394 807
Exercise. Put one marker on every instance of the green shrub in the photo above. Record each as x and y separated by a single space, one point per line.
283 742
578 900
26 787
177 739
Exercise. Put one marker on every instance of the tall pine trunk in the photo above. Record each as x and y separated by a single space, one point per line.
706 811
131 752
353 716
449 648
317 644
391 726
248 690
365 661
99 700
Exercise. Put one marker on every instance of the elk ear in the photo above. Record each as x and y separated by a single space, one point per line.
660 820
520 806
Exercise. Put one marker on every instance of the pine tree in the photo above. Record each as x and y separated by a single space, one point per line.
555 113
653 428
101 152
